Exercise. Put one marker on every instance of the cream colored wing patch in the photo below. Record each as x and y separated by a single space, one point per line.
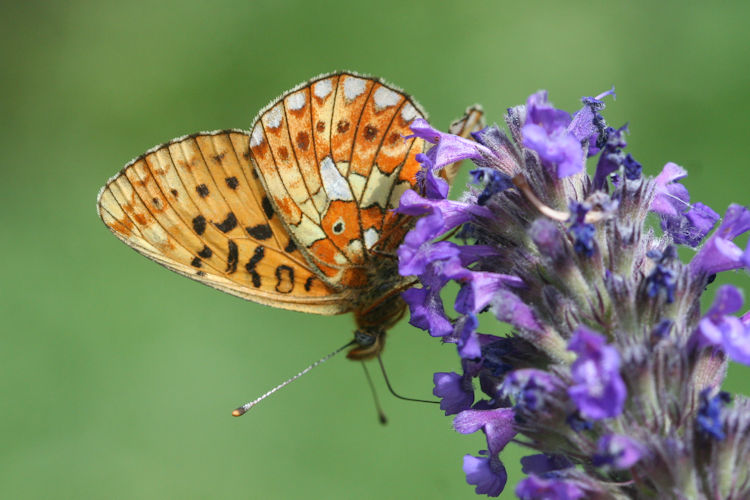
196 206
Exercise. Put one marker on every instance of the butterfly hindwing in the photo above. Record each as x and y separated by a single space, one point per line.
196 206
334 156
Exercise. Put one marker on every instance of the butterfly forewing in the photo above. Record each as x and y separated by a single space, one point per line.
196 206
333 155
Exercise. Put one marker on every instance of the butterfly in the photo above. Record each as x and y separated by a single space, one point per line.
296 213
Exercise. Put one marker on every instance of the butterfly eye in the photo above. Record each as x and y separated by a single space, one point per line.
338 226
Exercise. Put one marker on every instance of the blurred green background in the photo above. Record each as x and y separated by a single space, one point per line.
118 376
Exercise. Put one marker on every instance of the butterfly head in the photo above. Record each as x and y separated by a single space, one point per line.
369 343
372 324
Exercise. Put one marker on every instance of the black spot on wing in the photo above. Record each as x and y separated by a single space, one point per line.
174 192
219 157
227 224
267 207
250 266
202 190
196 262
232 257
232 182
199 224
284 279
206 252
291 246
308 283
260 232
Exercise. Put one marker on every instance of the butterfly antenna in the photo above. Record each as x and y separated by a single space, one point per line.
390 388
244 408
381 414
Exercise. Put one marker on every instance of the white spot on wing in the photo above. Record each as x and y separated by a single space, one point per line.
408 112
372 236
272 119
296 101
333 182
385 98
322 88
353 87
257 137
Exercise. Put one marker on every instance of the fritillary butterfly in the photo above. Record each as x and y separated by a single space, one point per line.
296 213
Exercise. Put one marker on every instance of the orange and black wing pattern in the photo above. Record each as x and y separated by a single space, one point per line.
197 206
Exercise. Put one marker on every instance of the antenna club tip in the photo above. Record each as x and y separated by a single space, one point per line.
238 412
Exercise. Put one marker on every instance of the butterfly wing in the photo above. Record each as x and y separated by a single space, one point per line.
196 206
333 155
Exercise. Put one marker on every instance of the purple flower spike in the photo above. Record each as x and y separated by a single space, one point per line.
578 280
618 452
719 252
598 389
719 329
454 390
536 488
671 197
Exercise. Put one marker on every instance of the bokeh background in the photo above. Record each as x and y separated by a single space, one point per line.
118 376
